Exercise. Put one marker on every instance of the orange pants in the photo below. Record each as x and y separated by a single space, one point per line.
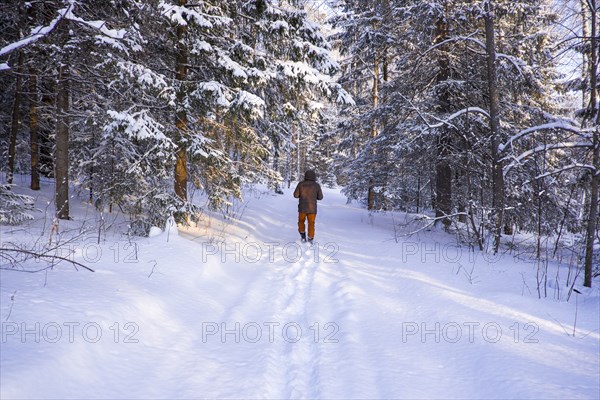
311 224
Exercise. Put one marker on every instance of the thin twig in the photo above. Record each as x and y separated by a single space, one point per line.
12 303
49 256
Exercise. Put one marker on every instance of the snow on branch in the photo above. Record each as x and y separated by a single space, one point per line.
64 13
517 160
137 125
235 68
147 78
452 40
217 90
552 125
178 14
513 60
343 97
458 114
249 102
302 72
99 25
37 32
14 208
567 168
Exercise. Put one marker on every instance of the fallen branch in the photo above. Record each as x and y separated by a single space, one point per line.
48 257
431 222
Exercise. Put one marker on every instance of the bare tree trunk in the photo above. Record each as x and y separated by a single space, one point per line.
497 173
593 212
34 120
371 193
14 130
34 128
61 156
595 182
48 88
181 173
443 169
47 126
181 114
585 67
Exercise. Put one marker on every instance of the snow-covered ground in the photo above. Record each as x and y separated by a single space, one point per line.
238 308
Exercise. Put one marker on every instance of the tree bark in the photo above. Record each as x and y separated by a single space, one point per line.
585 67
592 213
443 169
34 127
371 191
497 167
595 181
61 156
16 121
47 126
181 114
48 87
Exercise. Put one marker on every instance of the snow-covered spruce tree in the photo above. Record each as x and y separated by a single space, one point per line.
57 50
575 152
9 18
228 69
157 89
297 66
435 102
366 42
15 83
170 92
115 156
14 208
124 150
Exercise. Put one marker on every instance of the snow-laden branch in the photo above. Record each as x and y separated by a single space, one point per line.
448 120
302 72
343 97
137 125
458 114
552 125
180 15
38 32
452 40
513 60
67 14
251 103
563 169
516 160
99 25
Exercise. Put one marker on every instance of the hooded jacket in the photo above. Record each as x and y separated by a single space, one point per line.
308 192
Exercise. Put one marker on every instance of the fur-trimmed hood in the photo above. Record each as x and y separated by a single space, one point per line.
310 175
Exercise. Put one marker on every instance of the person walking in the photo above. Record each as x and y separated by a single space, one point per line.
308 192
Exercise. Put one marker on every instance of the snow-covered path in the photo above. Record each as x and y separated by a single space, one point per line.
259 315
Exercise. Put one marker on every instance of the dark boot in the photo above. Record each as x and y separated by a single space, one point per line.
303 236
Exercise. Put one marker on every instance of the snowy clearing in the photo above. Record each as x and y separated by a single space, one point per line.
241 309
